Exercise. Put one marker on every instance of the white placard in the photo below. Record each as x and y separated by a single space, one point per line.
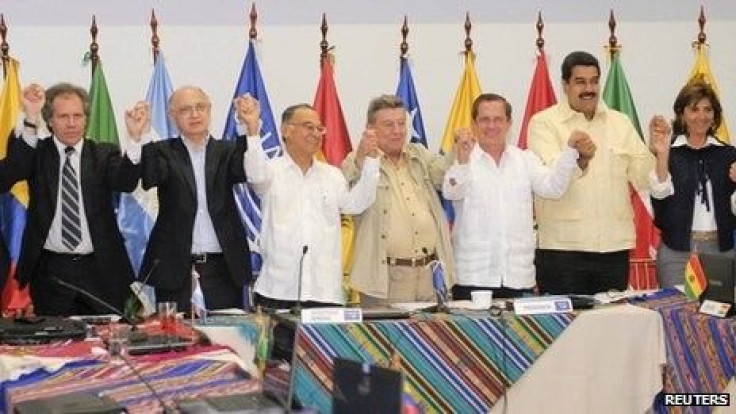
542 304
714 308
331 315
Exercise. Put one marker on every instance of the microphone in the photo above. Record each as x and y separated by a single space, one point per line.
298 308
145 382
95 298
132 304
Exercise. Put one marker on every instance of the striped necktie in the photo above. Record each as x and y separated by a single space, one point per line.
71 228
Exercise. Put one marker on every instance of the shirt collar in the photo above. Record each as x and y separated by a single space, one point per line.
567 112
61 147
190 144
681 141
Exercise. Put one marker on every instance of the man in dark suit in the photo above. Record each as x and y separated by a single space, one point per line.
198 224
71 232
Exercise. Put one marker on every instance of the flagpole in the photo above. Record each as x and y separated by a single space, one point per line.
4 45
154 36
94 48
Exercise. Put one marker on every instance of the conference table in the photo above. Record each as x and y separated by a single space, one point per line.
39 371
606 360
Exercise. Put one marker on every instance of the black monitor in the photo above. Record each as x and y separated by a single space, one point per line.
719 270
359 388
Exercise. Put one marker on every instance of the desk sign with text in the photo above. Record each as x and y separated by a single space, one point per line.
542 304
331 315
697 400
715 308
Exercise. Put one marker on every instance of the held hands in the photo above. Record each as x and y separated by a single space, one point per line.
584 145
659 136
248 112
32 98
464 143
138 120
368 146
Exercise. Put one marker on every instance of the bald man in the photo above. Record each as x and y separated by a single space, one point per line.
198 223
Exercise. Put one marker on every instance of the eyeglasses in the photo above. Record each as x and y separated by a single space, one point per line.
312 128
189 110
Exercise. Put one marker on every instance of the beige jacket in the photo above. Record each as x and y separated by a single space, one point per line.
370 271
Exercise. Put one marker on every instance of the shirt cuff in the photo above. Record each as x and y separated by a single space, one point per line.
660 189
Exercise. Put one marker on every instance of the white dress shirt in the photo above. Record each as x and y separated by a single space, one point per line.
204 238
303 209
493 235
53 240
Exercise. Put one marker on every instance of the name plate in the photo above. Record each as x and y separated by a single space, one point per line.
714 308
542 304
331 315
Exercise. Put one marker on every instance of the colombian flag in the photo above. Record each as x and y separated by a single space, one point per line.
12 205
695 281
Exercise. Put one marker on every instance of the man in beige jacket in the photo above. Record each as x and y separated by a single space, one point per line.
406 228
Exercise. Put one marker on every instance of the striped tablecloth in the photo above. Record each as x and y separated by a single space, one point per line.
174 375
701 349
451 363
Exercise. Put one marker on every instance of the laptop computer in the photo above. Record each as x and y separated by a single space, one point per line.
76 403
254 402
359 388
721 277
40 330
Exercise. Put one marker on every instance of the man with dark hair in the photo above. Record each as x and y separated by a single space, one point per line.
491 186
406 228
71 232
584 237
302 199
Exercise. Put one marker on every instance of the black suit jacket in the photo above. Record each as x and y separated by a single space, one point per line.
167 166
102 171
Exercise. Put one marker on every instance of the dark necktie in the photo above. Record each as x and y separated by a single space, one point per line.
71 229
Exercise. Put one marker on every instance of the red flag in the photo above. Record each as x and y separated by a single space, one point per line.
335 147
336 143
541 96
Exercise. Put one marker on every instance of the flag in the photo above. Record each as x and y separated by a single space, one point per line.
336 143
642 271
701 72
13 205
460 116
438 278
249 206
408 94
198 306
335 147
263 344
695 281
460 113
101 126
541 96
138 210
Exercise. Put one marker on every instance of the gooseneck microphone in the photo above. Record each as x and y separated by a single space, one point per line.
298 308
95 298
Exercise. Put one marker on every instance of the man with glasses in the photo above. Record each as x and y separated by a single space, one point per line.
301 201
198 223
405 229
